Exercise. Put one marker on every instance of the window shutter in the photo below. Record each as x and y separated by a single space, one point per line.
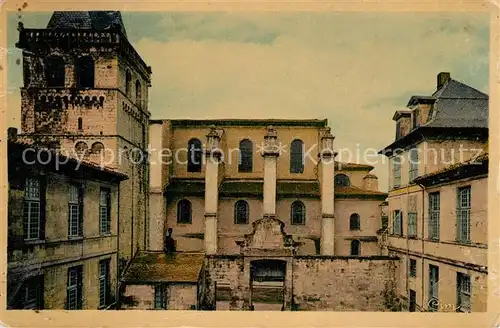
458 227
80 210
79 299
108 212
43 202
41 290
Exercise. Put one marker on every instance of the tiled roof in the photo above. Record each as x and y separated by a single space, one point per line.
159 267
352 166
459 105
67 160
351 190
472 162
97 20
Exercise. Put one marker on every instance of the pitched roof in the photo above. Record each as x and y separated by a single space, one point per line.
96 20
355 191
459 105
159 267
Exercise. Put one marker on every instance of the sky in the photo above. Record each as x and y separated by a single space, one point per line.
353 68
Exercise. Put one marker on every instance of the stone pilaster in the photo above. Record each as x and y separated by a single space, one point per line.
327 155
213 156
270 152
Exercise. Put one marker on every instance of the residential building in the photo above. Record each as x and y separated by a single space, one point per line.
63 224
437 200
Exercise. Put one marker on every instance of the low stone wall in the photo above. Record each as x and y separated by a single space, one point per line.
344 284
320 283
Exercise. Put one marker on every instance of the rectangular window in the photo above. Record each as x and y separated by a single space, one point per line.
412 224
104 283
160 302
463 214
413 172
105 211
396 169
32 209
75 219
397 227
385 222
398 130
74 288
31 294
413 301
463 292
434 213
412 268
433 287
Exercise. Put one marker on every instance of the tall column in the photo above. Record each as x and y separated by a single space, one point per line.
213 155
270 152
327 156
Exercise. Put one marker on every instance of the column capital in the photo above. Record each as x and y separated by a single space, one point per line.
210 215
327 216
271 147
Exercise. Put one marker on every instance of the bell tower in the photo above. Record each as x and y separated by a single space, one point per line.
85 92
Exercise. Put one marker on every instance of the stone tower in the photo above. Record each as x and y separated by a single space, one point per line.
85 92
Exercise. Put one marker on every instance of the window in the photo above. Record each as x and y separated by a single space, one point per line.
397 226
80 123
184 211
245 160
412 224
85 72
463 214
75 220
413 301
433 287
31 294
463 292
298 213
33 210
413 173
104 283
81 148
105 211
194 155
354 222
355 248
55 71
342 180
297 156
241 212
396 170
415 118
412 268
398 130
434 210
97 147
128 82
160 297
385 222
74 288
138 93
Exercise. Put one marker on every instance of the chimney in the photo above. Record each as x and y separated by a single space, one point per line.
12 134
442 78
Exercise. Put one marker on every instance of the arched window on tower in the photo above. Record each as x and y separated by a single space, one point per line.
184 212
297 156
241 212
245 160
298 213
355 248
128 82
194 155
354 222
138 93
55 71
85 72
342 180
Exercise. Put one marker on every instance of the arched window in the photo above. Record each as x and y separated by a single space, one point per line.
245 161
184 211
355 248
128 82
298 212
97 147
81 148
241 212
297 156
80 123
342 180
138 93
55 71
354 222
194 155
85 72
